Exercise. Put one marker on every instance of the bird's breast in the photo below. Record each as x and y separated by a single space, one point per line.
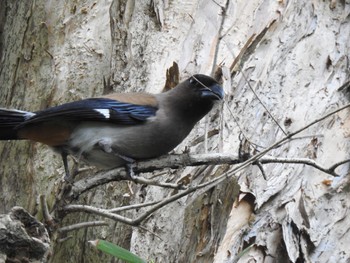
102 144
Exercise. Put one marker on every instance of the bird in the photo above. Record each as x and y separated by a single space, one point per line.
117 129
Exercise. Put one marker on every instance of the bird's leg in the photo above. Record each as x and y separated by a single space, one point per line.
129 162
129 165
67 177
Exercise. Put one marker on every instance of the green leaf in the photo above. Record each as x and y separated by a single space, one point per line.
116 251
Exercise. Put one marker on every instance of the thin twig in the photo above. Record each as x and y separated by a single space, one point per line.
45 210
64 239
330 170
166 201
302 138
78 226
259 164
265 107
97 211
129 207
142 180
336 165
219 38
237 123
319 119
105 213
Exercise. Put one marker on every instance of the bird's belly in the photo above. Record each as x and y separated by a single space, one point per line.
102 159
103 145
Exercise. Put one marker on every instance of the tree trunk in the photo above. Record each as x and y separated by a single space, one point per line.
283 63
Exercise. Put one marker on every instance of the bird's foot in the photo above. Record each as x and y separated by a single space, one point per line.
129 166
106 146
68 178
130 170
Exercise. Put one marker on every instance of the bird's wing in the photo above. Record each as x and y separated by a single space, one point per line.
97 109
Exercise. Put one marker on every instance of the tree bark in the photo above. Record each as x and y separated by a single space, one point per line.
282 63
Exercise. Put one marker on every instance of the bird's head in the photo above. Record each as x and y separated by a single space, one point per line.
193 98
206 87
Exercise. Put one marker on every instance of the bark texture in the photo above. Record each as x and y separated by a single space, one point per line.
293 54
23 238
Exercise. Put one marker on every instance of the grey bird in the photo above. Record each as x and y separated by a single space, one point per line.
116 129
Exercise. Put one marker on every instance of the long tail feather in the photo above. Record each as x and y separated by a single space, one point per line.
9 120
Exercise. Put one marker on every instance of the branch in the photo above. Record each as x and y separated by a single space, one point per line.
336 165
168 161
97 211
178 161
48 219
128 207
104 213
81 225
259 164
306 161
209 158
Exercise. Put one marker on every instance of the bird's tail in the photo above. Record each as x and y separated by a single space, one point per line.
9 120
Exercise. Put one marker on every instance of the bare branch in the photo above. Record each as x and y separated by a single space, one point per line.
142 180
104 213
97 211
81 225
169 161
330 170
61 240
129 207
259 164
165 202
336 165
319 119
261 102
45 210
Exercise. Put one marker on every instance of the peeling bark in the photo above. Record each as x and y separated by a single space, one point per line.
294 56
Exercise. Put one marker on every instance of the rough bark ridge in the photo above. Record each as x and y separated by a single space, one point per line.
23 238
293 54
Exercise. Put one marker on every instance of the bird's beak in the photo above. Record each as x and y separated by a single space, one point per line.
214 92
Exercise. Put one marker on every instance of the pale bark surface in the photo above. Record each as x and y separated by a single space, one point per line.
295 56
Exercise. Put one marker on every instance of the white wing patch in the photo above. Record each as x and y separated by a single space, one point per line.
26 114
104 112
29 114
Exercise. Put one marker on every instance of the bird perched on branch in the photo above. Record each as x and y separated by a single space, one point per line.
119 128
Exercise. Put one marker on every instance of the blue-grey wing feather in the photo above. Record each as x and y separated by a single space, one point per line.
97 109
